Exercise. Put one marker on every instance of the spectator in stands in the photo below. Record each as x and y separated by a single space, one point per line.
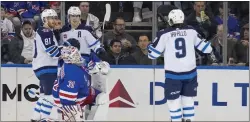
20 47
186 6
233 24
31 11
116 56
242 47
6 25
55 5
202 20
118 33
141 55
217 44
90 19
12 13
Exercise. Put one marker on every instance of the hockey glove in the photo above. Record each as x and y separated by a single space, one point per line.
102 67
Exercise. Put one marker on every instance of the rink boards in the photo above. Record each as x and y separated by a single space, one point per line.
137 94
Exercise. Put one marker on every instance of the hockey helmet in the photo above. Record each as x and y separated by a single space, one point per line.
48 13
73 10
175 16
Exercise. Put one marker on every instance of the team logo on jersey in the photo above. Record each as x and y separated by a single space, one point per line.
71 84
56 84
65 36
45 30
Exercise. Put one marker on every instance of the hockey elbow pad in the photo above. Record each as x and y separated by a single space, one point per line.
100 51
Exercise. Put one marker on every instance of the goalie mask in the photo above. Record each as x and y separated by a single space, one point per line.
71 55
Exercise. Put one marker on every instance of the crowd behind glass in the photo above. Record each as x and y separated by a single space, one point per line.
19 21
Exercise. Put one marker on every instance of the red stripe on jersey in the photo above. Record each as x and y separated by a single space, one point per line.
57 101
68 95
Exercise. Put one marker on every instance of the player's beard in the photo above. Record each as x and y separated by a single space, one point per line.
51 24
75 24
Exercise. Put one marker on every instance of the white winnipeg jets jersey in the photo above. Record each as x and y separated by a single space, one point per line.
178 47
45 52
87 41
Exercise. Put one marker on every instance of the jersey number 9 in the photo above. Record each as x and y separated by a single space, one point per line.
180 46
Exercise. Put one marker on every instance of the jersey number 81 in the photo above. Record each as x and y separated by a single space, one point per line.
180 46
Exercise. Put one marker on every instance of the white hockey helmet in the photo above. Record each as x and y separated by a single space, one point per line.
175 16
70 54
48 13
73 10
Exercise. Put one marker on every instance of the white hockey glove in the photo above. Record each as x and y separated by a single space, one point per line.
102 67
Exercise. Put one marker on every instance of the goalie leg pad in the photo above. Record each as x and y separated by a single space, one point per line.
99 111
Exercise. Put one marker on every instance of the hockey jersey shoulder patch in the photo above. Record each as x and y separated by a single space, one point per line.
85 27
44 32
66 28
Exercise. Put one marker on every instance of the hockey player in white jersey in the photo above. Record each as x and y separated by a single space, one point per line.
178 44
80 32
45 61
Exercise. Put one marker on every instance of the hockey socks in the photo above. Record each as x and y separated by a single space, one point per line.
46 107
175 109
188 108
37 110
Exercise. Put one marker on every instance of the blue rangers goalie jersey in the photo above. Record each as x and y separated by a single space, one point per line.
72 86
178 48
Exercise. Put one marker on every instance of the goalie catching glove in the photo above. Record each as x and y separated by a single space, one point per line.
95 67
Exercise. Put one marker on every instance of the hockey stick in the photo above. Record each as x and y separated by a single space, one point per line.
106 19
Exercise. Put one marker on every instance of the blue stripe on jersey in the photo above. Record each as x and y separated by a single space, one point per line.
181 75
50 48
45 70
205 47
151 56
154 50
55 53
198 44
94 43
